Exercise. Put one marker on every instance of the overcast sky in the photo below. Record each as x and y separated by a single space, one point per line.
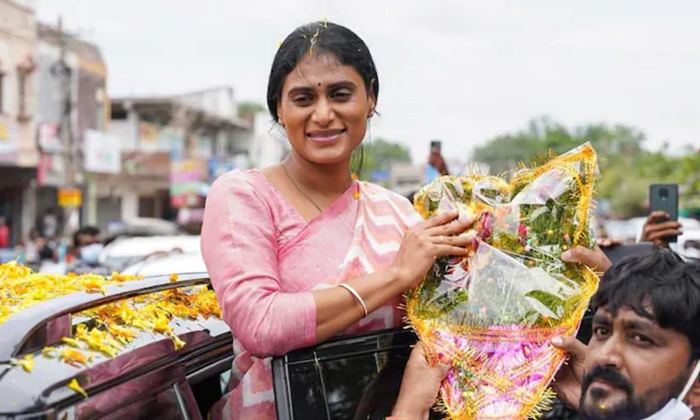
461 70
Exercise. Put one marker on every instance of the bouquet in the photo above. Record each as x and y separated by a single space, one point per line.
494 313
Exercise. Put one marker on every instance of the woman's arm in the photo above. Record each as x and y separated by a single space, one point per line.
240 251
337 309
239 248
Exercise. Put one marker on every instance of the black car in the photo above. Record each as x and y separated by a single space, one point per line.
358 377
150 379
345 378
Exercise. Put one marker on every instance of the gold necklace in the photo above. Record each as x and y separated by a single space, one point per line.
299 189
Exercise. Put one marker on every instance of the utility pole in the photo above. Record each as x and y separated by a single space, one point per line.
64 73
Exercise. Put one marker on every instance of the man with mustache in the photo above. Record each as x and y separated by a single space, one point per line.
642 360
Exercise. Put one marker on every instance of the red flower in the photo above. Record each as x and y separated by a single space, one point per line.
522 231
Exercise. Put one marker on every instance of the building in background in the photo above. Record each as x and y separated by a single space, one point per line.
64 58
268 146
172 148
18 152
64 142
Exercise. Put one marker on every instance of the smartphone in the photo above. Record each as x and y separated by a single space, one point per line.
664 197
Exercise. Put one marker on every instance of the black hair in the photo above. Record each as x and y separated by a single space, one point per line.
660 286
85 230
320 38
45 253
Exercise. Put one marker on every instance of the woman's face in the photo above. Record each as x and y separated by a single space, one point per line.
324 109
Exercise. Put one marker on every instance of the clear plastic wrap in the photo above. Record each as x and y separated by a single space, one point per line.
493 313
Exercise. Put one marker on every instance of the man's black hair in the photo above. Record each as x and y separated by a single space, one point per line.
660 286
85 230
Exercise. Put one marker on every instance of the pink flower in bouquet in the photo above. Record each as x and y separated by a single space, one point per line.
486 225
522 232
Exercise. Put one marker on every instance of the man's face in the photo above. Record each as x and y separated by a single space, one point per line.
633 366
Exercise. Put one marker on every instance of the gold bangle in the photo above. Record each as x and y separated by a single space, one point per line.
356 295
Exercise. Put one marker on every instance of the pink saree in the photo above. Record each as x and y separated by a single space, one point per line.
264 260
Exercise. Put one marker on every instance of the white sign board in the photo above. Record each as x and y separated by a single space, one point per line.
9 139
102 152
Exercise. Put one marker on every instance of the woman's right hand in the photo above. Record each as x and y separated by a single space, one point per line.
428 241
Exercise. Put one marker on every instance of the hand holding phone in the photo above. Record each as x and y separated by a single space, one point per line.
662 225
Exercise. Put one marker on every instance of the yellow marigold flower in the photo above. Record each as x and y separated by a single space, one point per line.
72 342
75 357
122 334
75 386
141 324
176 341
161 325
173 277
93 284
97 340
116 323
49 352
27 363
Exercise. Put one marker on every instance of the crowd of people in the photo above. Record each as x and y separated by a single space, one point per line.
53 255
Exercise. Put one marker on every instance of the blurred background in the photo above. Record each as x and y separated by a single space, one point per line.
118 115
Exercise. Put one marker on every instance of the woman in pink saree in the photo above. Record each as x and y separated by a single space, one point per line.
301 251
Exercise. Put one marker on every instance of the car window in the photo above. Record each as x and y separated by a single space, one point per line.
210 382
168 404
211 393
344 388
351 378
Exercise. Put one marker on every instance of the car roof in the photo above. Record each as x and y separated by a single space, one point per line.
175 263
46 384
141 246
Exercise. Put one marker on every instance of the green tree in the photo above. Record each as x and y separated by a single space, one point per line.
543 134
627 170
248 109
